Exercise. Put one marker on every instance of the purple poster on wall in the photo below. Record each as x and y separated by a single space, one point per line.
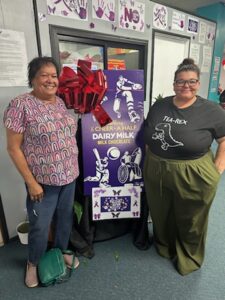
113 154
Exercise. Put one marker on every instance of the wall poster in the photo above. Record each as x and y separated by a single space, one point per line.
202 32
206 59
192 25
195 52
215 73
210 34
104 10
75 9
113 154
160 16
132 15
178 21
13 58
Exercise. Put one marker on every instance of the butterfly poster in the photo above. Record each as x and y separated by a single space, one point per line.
116 203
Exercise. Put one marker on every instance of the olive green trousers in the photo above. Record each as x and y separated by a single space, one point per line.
179 194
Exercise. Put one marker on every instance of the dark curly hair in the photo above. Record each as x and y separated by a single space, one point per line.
187 64
37 63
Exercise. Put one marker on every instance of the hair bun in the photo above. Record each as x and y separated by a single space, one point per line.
188 61
188 64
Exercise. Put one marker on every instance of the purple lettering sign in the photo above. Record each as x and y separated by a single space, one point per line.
113 154
132 15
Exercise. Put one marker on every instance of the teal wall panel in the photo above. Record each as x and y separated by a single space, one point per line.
215 12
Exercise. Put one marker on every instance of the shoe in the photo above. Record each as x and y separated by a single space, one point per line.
69 261
31 279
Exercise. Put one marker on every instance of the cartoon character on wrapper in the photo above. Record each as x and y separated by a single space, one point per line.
124 89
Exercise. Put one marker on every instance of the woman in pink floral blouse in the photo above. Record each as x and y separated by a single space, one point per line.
41 142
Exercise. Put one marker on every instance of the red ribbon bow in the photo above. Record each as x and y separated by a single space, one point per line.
83 91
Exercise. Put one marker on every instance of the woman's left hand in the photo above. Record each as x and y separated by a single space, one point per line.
220 155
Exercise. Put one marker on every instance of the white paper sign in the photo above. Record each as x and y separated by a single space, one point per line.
194 52
178 21
104 10
160 16
13 58
132 15
75 9
202 32
206 62
216 65
210 35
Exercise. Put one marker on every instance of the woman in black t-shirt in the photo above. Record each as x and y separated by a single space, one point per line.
180 172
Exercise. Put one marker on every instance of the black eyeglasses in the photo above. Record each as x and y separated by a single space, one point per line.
190 82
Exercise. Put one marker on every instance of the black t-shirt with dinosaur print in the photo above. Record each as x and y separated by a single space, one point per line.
185 133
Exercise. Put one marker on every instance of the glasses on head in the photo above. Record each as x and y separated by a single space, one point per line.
190 82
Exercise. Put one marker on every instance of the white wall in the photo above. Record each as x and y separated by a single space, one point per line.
14 15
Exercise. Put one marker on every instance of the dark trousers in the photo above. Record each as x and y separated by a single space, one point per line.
56 207
179 194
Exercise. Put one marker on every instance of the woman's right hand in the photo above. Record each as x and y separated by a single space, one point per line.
14 145
36 192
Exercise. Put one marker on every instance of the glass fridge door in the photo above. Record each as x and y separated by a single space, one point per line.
123 59
70 52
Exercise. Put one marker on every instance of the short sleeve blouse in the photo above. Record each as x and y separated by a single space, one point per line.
49 143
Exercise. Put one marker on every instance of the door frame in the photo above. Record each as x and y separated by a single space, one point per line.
154 33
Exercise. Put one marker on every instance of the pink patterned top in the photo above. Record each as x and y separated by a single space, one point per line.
49 143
